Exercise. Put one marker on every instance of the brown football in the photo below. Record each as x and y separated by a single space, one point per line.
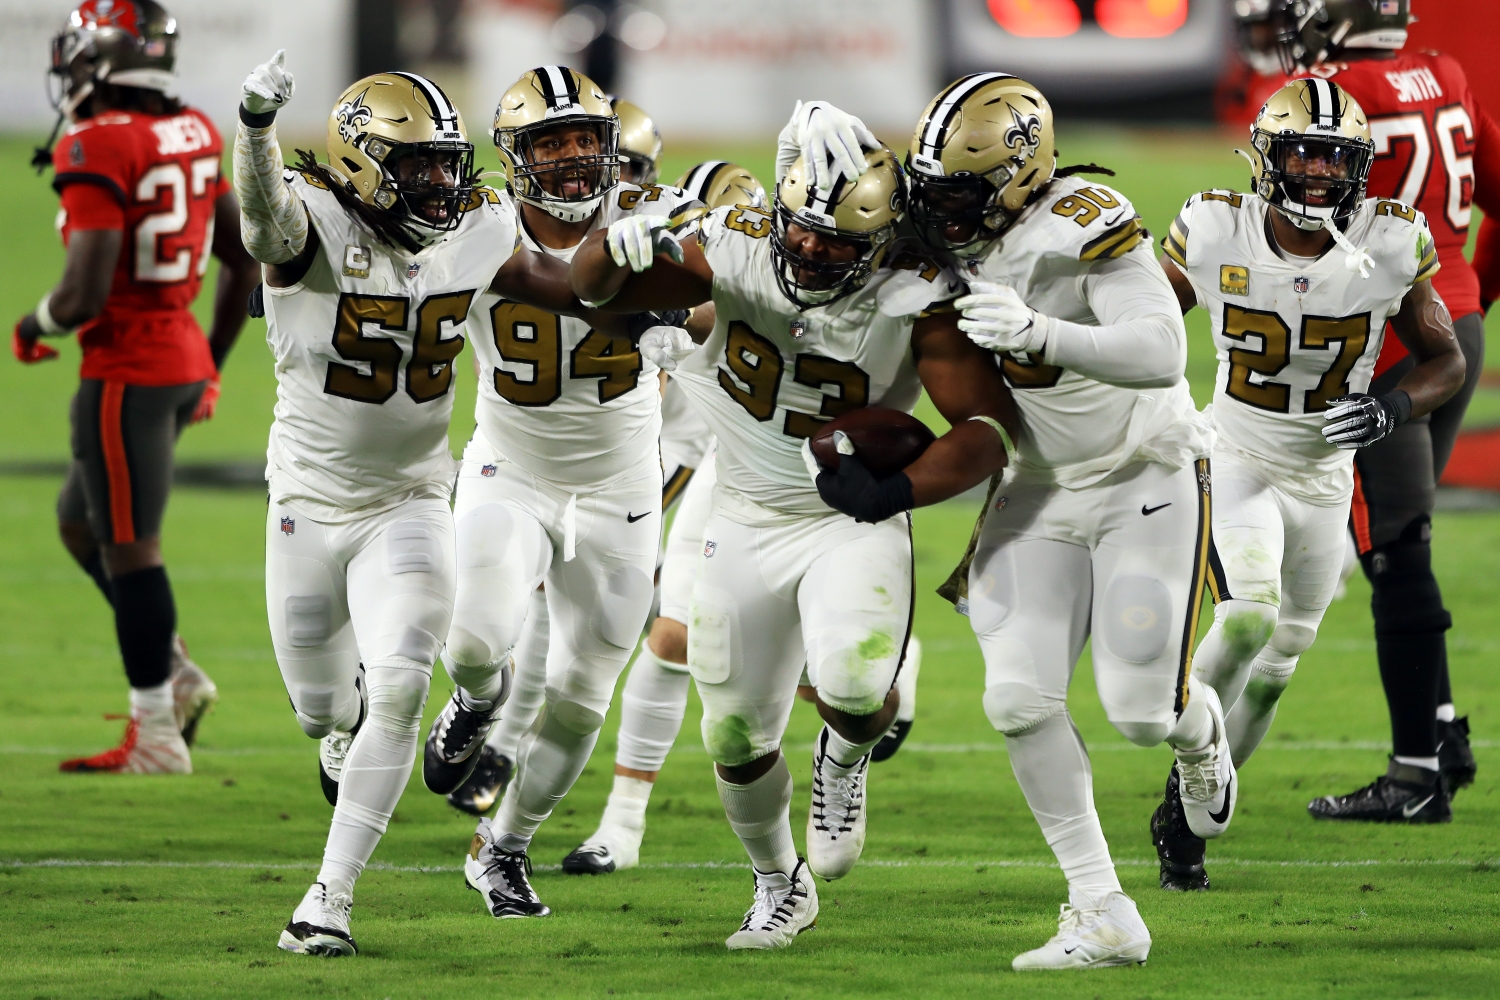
886 440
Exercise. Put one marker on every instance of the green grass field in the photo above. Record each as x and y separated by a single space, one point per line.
173 888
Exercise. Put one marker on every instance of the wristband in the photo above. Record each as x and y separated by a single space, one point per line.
1399 404
1010 447
52 328
263 119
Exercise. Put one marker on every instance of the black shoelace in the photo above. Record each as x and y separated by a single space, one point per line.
513 868
820 801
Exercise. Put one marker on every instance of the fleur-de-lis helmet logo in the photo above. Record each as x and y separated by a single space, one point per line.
1026 133
352 116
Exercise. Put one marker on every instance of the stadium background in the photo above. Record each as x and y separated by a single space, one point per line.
148 887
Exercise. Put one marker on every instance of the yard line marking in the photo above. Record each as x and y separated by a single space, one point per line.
312 865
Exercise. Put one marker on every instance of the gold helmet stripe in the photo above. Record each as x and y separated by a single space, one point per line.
445 115
559 87
947 107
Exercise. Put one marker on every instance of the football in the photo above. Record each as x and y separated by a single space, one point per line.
886 440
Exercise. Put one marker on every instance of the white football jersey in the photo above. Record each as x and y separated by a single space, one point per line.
770 374
1294 333
685 437
364 347
1076 430
567 403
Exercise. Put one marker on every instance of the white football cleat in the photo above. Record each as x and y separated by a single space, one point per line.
333 749
1208 779
153 749
1111 933
319 925
785 906
193 691
836 819
501 877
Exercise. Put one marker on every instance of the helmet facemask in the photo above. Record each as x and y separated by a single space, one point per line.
427 208
1312 179
811 281
960 213
570 188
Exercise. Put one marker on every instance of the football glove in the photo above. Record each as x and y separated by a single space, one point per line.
822 132
25 345
635 240
268 87
1359 420
996 319
207 403
854 491
664 346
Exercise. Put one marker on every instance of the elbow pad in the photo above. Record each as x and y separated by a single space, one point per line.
273 223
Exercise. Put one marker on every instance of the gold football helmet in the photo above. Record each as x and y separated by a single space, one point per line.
983 147
858 216
640 143
717 183
129 43
1311 153
385 118
568 187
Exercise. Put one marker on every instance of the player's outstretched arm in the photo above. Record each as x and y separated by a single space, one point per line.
628 268
273 221
238 275
88 273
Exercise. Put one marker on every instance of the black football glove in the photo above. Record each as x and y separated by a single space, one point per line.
1359 420
853 491
638 323
255 306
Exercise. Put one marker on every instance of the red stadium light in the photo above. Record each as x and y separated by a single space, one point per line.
1038 18
1140 18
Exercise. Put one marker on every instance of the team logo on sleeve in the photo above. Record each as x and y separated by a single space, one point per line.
1025 133
288 525
353 116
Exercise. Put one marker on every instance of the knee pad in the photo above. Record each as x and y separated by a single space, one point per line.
465 650
1405 597
309 620
314 707
1011 702
1291 640
624 603
471 677
1246 626
397 697
1136 618
1143 734
576 718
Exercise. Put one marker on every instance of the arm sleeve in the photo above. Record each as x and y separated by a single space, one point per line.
1140 341
92 206
273 222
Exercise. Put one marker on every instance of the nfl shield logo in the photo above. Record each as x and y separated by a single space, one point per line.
1000 502
487 471
288 526
1300 285
412 269
709 548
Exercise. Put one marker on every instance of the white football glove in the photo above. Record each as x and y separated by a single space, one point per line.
269 86
995 318
819 130
664 346
635 240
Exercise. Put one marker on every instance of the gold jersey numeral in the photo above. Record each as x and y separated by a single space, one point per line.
533 337
816 371
612 360
382 354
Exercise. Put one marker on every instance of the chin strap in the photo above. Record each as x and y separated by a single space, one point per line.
1358 259
41 157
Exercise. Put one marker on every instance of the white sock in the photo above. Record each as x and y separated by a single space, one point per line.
1193 734
375 774
1251 718
906 681
627 804
760 815
844 753
528 684
1430 763
1052 768
651 710
1447 713
152 707
550 764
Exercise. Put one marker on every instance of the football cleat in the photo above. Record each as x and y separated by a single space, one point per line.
590 859
891 741
836 819
334 748
193 691
1455 758
320 925
452 749
1178 848
501 877
1404 794
485 785
1111 933
785 906
154 750
1208 786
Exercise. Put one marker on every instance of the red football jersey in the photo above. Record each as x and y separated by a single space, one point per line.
156 177
1435 150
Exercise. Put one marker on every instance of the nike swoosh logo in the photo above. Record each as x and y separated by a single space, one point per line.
1069 951
1222 816
1148 511
632 518
1408 811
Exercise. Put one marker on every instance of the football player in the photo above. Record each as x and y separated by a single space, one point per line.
372 262
1299 277
640 143
1438 152
813 318
144 204
1102 528
561 483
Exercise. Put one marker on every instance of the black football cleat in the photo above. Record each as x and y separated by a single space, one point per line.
453 744
890 742
1404 794
1455 758
1178 848
477 795
589 859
